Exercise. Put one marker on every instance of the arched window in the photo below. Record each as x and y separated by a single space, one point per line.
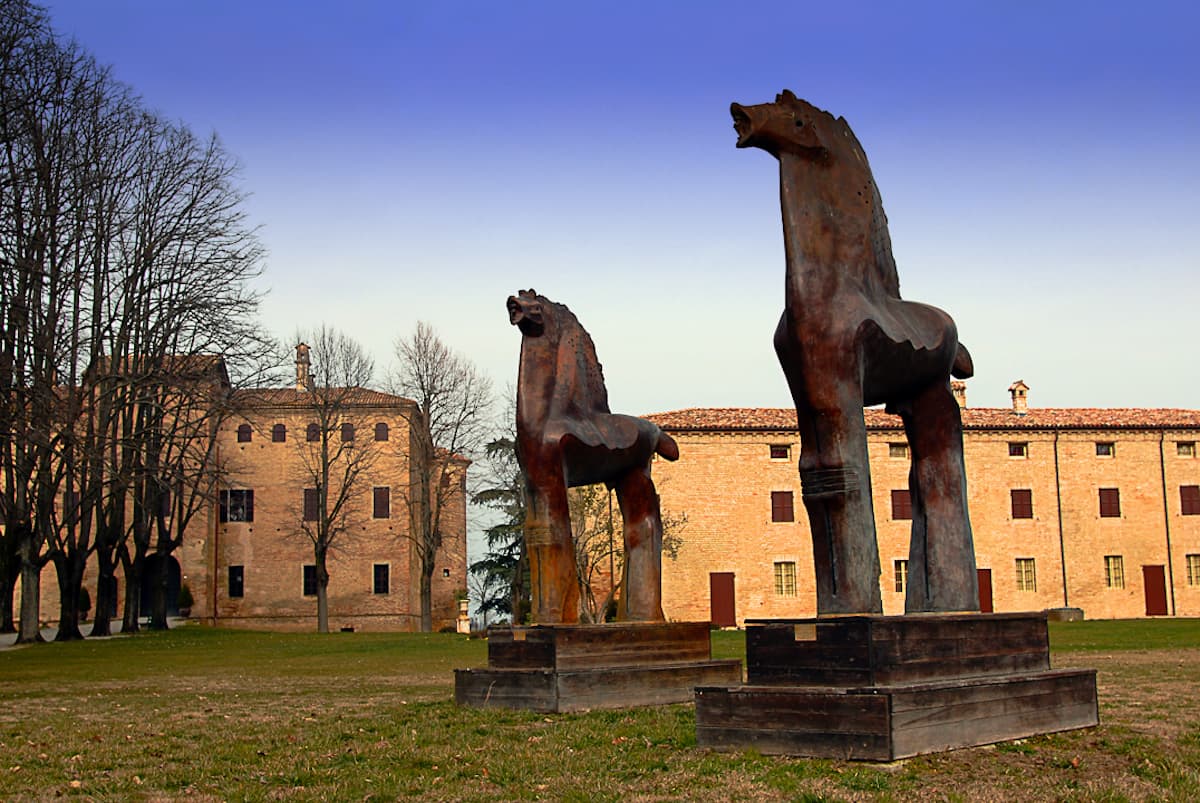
243 433
381 431
278 433
313 433
347 431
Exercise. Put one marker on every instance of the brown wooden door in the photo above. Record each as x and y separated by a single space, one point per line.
720 595
985 590
1155 580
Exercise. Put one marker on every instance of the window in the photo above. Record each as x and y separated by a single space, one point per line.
1185 448
445 572
1022 503
1114 571
382 503
1026 575
382 578
1106 449
1016 449
381 431
1193 570
1110 503
236 505
1189 500
312 433
782 508
901 505
243 432
237 581
310 580
785 578
278 433
898 450
901 570
347 432
780 451
312 504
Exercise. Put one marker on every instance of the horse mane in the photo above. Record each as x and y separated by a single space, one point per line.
583 387
881 239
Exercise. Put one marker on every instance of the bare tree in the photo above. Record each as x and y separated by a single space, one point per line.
451 427
124 249
334 463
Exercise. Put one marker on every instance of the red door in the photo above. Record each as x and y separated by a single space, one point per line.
1155 580
985 590
720 595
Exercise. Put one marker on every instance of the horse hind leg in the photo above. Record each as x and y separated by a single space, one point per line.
941 563
641 576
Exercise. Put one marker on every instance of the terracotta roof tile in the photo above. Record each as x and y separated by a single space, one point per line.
774 419
290 397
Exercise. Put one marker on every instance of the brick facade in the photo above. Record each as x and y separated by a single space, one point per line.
726 475
270 552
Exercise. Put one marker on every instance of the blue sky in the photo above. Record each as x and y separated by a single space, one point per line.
422 161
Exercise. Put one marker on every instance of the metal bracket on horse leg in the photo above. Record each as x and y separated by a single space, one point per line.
823 483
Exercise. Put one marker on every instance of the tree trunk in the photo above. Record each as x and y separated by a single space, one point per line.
31 592
322 594
426 590
158 593
106 583
70 578
10 570
133 595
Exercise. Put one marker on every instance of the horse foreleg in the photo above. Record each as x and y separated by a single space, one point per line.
554 588
641 576
941 558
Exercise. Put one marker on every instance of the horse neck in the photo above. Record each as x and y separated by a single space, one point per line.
535 384
834 231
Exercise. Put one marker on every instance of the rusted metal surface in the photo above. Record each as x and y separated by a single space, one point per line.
567 437
846 339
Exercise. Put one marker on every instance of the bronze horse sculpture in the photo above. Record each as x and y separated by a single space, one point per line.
567 437
846 339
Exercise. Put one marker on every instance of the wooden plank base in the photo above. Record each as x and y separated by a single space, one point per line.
884 723
561 668
879 688
563 691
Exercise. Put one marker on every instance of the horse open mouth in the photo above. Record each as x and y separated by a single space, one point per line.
742 124
526 317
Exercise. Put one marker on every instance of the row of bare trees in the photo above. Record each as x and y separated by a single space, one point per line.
125 257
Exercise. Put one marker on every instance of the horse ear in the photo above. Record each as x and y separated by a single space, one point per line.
787 95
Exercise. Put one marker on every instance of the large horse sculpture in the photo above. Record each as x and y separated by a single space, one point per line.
846 339
566 437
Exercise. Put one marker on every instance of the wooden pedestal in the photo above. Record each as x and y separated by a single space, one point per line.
560 668
886 687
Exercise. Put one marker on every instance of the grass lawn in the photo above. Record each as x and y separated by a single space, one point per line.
210 714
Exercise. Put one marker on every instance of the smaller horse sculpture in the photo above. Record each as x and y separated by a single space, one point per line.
846 339
566 437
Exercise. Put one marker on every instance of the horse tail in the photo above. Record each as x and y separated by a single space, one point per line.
963 367
666 446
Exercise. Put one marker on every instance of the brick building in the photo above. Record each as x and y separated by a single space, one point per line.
1088 508
245 557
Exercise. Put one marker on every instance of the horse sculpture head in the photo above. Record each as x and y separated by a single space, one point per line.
557 349
824 170
792 125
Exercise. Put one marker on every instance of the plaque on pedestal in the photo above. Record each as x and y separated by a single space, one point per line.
561 668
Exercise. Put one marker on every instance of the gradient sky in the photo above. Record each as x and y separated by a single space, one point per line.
1039 163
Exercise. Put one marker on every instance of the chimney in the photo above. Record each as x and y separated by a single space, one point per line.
959 389
1019 390
303 380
